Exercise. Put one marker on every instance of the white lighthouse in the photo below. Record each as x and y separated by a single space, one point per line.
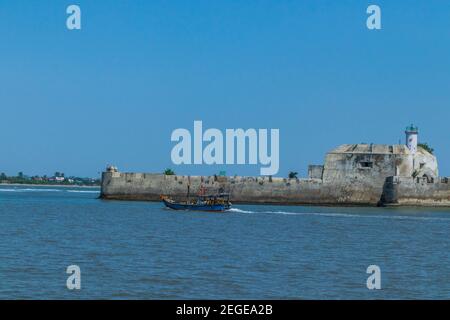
412 134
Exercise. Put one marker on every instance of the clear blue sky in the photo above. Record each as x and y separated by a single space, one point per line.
74 101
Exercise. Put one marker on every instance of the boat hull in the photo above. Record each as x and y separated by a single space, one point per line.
196 207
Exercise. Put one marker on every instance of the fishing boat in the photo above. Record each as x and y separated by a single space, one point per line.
214 203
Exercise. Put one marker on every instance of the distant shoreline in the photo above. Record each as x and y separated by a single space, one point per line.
47 185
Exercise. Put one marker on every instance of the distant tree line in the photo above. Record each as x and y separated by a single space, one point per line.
58 178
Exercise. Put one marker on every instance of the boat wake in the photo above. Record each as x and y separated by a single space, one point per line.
241 211
29 190
341 215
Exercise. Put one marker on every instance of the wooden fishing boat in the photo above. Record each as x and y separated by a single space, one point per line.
214 203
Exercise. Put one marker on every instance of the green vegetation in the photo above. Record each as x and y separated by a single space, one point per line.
58 179
169 172
293 175
426 147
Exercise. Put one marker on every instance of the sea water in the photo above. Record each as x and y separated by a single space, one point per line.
140 250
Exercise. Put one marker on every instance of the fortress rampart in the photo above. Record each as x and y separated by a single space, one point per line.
136 186
394 191
408 191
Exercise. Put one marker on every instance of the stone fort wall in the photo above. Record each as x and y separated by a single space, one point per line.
397 191
408 191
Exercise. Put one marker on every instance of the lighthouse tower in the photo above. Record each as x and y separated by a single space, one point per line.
412 134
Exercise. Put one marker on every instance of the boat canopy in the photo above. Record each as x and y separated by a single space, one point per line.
215 196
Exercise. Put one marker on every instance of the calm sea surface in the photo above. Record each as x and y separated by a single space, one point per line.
139 250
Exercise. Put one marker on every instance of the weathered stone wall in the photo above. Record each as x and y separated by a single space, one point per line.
315 171
344 166
416 192
139 186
